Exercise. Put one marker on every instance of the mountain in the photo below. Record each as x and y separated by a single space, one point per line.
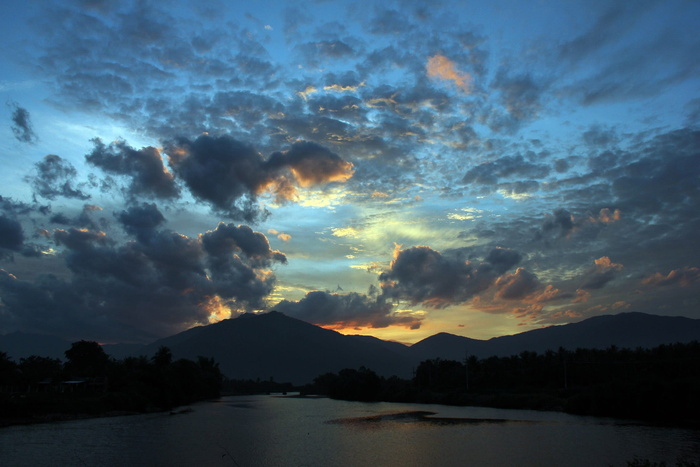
448 347
276 346
624 330
273 345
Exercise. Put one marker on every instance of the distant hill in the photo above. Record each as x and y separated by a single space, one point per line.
625 330
273 345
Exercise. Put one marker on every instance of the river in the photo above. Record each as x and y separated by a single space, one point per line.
287 431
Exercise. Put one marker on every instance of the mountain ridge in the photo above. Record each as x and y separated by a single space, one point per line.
275 346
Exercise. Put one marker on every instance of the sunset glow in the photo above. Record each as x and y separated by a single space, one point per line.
377 168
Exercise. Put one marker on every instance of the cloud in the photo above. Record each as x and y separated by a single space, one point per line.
144 167
84 220
683 277
598 136
662 178
350 310
54 177
603 272
441 67
490 173
280 235
389 22
626 65
222 171
516 286
312 164
230 175
607 28
423 275
319 52
521 96
502 259
561 222
228 239
11 234
141 221
22 124
159 284
606 216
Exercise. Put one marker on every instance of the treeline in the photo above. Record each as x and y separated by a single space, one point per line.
238 387
91 383
660 384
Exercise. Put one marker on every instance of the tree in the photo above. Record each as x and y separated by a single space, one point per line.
36 369
163 357
8 370
86 358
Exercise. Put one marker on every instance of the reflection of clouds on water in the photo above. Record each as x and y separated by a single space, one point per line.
242 405
418 417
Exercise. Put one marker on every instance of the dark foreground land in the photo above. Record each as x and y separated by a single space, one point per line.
90 384
660 385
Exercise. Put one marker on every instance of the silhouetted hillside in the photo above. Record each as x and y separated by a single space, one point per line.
448 347
625 330
276 346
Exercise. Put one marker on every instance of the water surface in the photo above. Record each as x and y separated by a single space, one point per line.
276 431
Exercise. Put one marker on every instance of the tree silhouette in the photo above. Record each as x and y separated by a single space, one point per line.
86 358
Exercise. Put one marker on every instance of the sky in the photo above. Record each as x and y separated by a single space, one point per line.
393 168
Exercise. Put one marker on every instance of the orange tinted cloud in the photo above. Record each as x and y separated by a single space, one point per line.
604 264
607 217
441 67
683 277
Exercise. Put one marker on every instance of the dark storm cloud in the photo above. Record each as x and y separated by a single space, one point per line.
311 164
144 167
85 219
229 174
517 285
423 275
11 234
346 311
164 282
141 221
502 259
10 206
22 124
55 176
222 171
228 239
561 222
603 272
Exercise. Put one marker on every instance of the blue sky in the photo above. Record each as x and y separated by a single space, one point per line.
387 168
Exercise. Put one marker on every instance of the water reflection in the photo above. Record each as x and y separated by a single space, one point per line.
275 431
418 416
